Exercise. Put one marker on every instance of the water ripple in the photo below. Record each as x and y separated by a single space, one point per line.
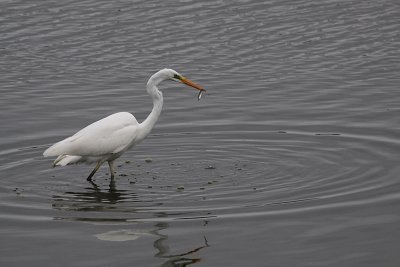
285 172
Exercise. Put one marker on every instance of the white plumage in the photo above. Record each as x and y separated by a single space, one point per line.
107 139
101 139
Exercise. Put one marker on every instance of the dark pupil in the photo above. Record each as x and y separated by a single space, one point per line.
176 76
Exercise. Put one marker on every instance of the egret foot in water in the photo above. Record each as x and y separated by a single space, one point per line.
110 164
94 171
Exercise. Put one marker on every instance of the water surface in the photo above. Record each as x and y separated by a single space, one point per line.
290 159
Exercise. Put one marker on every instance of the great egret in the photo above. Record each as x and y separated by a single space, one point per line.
107 139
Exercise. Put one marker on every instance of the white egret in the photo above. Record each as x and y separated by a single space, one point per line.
107 139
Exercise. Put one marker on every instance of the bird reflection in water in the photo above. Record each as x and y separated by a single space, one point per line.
95 199
174 260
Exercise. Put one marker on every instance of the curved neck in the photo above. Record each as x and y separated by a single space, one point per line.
157 97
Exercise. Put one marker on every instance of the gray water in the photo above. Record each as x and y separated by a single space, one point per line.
290 159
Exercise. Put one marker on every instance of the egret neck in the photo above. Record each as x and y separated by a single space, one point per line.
157 96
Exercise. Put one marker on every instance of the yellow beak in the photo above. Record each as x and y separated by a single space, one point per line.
191 83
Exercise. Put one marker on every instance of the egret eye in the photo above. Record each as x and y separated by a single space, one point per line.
176 76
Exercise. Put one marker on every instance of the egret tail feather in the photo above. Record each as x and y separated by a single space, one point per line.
64 160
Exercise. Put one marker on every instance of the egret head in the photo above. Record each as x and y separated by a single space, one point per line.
170 74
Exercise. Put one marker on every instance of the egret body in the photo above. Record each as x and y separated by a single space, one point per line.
107 139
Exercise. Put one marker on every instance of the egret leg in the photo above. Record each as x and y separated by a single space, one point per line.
112 186
94 171
111 165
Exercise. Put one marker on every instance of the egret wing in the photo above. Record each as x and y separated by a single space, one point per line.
110 135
